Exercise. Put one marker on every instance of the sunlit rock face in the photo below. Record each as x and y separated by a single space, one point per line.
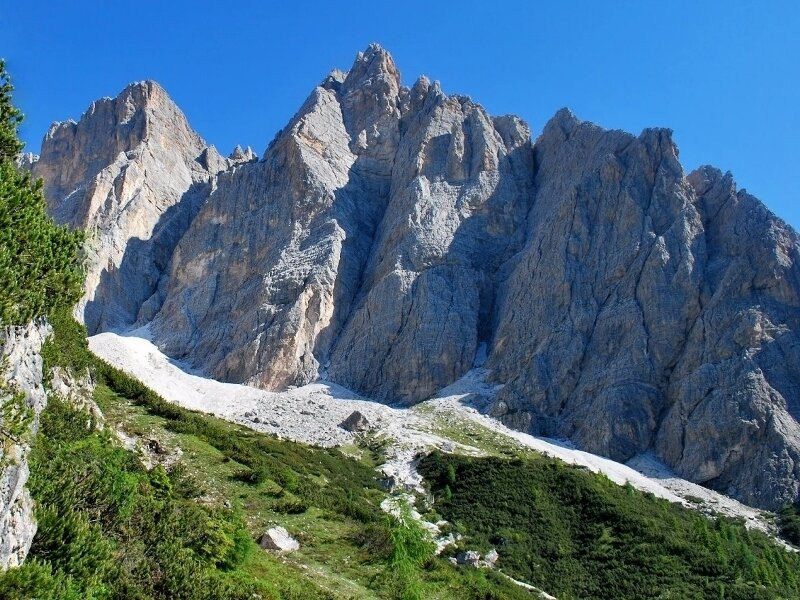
391 238
20 372
119 173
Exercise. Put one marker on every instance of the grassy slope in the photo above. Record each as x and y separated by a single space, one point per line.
345 545
230 479
566 530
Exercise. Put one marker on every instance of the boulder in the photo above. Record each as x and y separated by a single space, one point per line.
491 558
469 557
355 423
277 539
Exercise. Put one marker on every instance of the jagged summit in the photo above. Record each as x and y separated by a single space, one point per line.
564 121
392 237
373 62
118 172
141 113
240 154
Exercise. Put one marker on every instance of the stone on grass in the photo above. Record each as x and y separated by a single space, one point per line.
469 557
277 539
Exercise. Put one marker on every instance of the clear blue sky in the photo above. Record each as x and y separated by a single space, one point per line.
725 76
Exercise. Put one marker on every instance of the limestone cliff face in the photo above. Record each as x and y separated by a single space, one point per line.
649 310
597 305
263 279
390 234
459 194
119 172
733 397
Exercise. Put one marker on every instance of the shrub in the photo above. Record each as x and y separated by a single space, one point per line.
412 547
789 523
108 528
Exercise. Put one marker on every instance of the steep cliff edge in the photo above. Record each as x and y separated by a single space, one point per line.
392 237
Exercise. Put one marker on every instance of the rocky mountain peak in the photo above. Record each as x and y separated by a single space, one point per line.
390 239
375 63
713 188
560 125
369 98
142 113
118 172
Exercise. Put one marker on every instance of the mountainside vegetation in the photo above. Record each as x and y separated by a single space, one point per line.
110 528
578 535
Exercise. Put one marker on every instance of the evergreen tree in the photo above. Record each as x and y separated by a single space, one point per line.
39 266
10 118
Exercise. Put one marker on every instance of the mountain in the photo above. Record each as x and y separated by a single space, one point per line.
119 173
392 238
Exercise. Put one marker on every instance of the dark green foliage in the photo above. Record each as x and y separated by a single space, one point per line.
68 347
39 266
10 119
577 535
291 506
37 580
110 529
789 523
411 549
375 540
15 418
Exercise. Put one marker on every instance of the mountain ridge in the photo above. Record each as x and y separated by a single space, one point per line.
390 232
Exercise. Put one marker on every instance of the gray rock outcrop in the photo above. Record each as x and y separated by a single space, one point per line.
355 422
391 237
297 228
367 238
460 190
490 558
470 558
241 155
653 310
22 363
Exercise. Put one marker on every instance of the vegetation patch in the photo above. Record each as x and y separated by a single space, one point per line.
789 523
108 528
576 534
